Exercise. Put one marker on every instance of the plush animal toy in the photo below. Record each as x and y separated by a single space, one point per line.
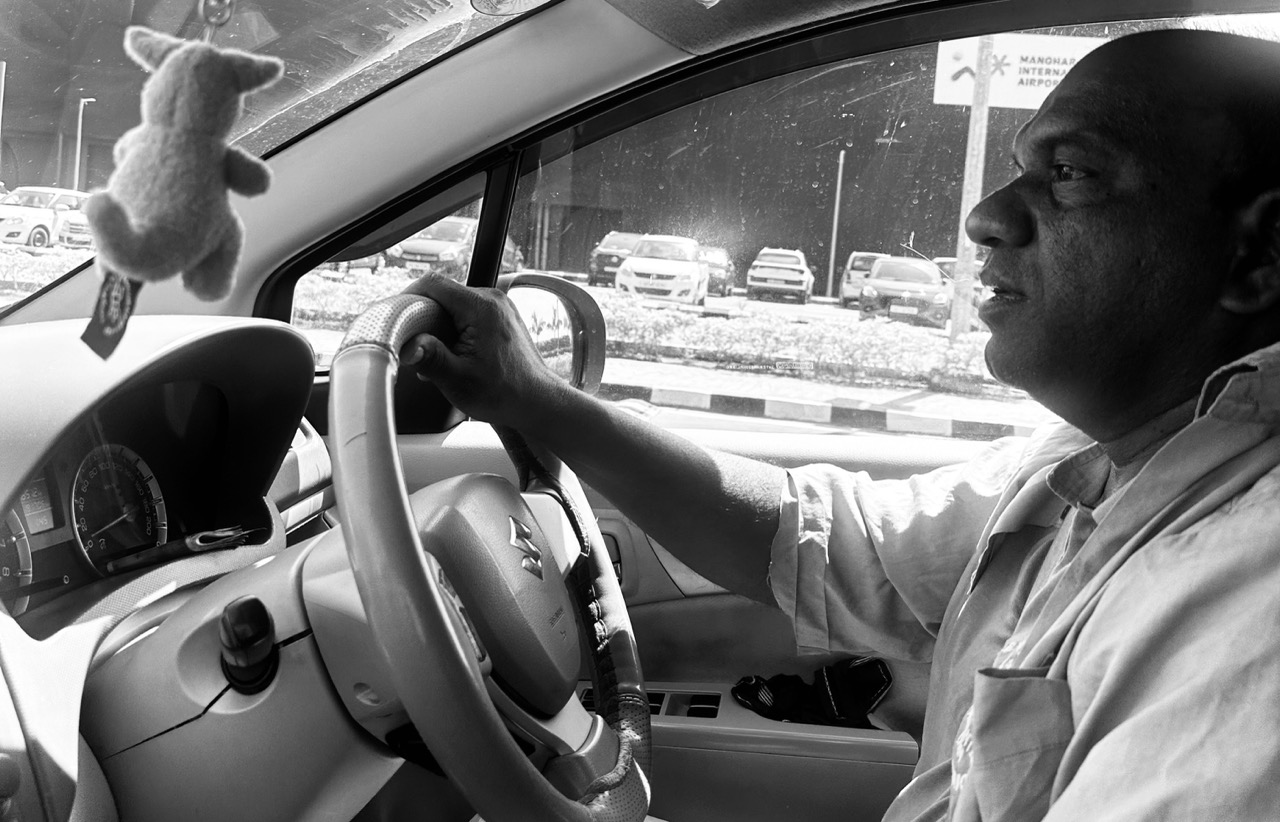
165 209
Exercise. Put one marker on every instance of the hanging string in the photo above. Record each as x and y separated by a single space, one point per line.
215 14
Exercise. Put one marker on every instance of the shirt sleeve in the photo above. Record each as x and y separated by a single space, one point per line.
864 566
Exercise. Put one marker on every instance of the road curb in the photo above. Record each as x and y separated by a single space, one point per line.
842 412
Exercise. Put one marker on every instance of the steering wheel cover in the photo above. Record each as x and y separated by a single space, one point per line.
432 659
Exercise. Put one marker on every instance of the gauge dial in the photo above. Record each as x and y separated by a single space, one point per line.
15 562
116 505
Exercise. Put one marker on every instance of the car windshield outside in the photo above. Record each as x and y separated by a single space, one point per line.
775 258
28 198
619 241
906 271
450 229
666 250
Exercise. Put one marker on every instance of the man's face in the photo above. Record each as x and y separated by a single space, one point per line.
1107 250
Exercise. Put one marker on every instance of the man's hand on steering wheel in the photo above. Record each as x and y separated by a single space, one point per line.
491 371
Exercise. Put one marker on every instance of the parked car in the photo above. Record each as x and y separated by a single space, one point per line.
608 255
73 230
33 215
666 267
780 272
908 289
856 269
722 270
445 246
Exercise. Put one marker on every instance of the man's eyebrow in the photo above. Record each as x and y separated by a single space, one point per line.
1049 138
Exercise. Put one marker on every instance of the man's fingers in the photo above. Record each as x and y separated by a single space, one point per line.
454 296
429 356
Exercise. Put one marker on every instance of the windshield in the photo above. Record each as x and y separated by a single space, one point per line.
778 259
862 262
907 271
665 250
31 199
450 231
615 241
68 91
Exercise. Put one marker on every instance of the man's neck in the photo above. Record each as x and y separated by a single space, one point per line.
1131 451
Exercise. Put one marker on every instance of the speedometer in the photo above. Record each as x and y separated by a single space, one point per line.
15 562
116 505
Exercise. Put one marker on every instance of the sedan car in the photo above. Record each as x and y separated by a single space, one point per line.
780 272
666 267
192 529
608 255
33 215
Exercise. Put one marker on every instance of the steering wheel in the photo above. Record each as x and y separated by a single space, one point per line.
474 614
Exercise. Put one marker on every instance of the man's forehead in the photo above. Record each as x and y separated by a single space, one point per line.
1089 111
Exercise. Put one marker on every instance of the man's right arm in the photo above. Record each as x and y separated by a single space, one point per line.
717 512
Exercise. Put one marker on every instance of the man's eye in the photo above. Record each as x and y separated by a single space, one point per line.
1063 173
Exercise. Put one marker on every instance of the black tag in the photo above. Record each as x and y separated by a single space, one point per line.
111 313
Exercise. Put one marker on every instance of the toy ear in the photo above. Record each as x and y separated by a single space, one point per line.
148 48
254 72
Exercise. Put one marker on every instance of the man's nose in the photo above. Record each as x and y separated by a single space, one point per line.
1000 219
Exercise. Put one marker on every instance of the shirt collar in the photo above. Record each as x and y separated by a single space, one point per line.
1247 390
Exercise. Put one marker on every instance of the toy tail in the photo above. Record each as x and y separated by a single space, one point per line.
147 255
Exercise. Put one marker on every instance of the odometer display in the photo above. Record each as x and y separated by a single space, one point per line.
116 505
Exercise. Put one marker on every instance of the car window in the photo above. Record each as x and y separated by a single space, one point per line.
327 298
832 164
665 250
905 271
781 259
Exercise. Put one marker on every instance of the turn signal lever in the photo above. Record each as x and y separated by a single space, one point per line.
249 653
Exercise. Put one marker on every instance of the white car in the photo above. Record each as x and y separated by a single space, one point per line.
665 267
33 215
780 272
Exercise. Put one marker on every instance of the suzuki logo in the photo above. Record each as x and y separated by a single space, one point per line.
520 538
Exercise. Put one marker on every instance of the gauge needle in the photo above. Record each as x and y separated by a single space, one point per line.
129 511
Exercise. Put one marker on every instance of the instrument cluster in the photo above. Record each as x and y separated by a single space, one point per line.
128 487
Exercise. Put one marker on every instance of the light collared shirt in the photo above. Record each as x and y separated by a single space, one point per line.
1119 662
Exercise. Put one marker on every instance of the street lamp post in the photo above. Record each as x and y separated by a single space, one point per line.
835 224
75 177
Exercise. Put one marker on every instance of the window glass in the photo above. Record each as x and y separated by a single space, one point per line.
327 299
825 168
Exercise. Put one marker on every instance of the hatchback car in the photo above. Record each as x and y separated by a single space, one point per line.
780 272
665 267
856 269
190 475
33 215
907 289
608 255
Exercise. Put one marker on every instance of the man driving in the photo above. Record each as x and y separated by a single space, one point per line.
1099 601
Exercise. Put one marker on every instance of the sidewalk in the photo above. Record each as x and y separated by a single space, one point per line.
898 409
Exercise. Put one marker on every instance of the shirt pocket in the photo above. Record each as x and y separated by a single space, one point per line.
1022 722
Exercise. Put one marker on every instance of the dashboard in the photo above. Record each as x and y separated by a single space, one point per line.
117 471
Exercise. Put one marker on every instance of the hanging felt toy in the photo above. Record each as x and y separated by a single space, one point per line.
165 209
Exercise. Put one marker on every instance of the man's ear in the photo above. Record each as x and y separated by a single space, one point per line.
1253 285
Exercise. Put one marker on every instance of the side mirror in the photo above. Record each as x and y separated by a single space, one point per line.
565 323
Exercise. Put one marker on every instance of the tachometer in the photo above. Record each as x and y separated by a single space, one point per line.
15 562
116 505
